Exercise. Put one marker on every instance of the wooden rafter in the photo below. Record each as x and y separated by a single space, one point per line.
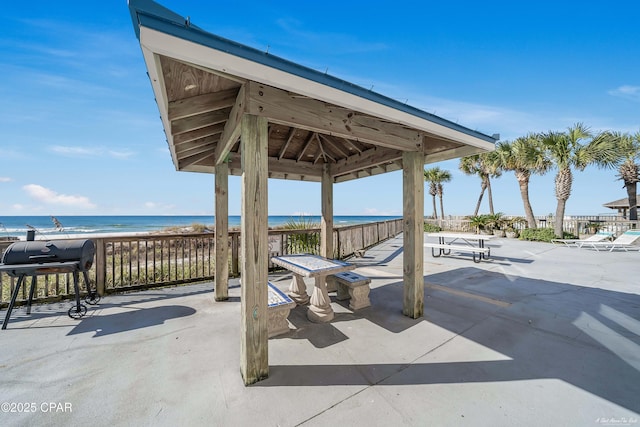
352 145
306 145
333 145
200 121
292 132
198 133
202 104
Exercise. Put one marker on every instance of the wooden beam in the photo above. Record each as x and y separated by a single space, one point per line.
316 116
254 349
352 145
333 145
306 145
196 158
286 166
202 104
325 155
222 232
200 121
198 133
326 223
292 133
192 148
371 157
454 153
232 129
413 233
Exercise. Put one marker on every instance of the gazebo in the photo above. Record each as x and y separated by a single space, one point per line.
228 109
621 205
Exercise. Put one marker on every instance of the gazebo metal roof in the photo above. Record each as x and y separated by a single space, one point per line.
201 82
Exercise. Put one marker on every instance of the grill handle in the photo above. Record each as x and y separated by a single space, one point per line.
42 257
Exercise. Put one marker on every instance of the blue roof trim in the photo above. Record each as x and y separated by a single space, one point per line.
150 14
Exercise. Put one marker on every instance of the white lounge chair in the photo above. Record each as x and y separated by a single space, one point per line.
625 241
598 237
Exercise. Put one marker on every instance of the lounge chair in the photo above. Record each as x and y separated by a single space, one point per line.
598 237
625 241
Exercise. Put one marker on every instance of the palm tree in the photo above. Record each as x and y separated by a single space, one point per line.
435 177
445 176
486 166
576 148
628 170
524 156
430 175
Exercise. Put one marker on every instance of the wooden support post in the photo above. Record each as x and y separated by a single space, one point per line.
222 232
254 350
101 266
413 213
235 257
326 224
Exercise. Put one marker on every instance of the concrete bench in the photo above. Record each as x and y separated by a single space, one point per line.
355 286
445 249
279 306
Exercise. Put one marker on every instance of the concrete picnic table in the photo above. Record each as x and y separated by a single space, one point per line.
465 241
318 267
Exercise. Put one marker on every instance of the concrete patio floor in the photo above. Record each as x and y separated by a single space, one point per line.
537 335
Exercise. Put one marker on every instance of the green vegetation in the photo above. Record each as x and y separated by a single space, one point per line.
431 228
568 151
542 234
628 170
486 166
524 156
435 177
305 242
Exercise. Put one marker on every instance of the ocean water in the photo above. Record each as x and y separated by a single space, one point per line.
45 225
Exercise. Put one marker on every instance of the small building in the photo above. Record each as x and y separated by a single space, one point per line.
622 206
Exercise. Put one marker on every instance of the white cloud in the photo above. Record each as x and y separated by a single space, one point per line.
120 154
90 152
49 196
626 91
5 179
488 119
75 151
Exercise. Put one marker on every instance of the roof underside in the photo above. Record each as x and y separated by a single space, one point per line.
204 84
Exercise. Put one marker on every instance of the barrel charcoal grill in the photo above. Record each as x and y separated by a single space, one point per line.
34 258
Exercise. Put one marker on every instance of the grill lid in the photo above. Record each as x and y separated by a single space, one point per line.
41 252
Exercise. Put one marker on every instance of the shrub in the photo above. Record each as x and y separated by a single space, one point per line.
542 234
431 228
308 242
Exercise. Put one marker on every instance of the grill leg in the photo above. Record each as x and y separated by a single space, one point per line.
33 287
13 301
92 296
76 287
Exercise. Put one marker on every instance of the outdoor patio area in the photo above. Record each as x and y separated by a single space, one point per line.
538 334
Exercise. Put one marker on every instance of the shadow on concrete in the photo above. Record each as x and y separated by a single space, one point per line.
43 311
320 335
137 318
586 337
364 261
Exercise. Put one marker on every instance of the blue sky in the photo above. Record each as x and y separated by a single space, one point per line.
80 133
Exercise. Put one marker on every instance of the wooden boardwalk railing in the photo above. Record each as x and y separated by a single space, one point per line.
145 261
